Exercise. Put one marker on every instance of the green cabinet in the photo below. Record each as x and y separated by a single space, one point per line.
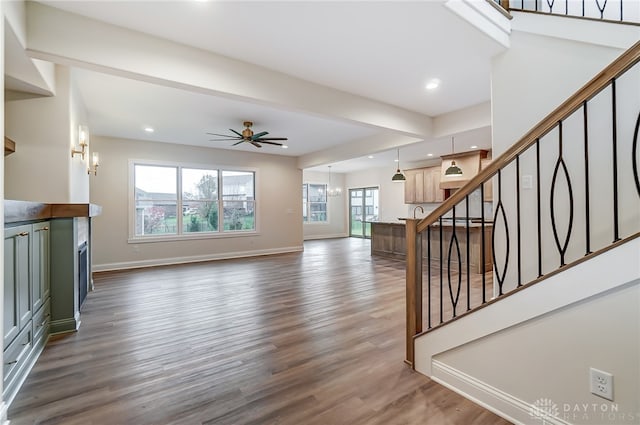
17 287
26 301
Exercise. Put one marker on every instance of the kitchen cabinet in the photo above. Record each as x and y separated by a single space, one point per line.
488 185
26 301
422 185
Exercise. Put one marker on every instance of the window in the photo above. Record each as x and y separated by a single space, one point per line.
175 200
314 202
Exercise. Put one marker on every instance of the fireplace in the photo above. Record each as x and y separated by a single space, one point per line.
83 273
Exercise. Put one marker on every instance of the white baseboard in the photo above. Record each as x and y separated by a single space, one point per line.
192 259
331 236
3 413
493 399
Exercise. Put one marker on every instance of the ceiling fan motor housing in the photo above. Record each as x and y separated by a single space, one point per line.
247 133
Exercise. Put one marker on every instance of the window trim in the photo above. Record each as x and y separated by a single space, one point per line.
316 223
132 238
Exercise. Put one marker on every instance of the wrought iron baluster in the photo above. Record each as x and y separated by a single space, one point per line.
562 247
441 259
429 277
538 207
468 251
500 209
587 201
634 154
616 230
518 219
482 250
454 240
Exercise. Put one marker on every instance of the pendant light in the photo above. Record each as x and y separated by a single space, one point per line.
453 169
398 177
333 191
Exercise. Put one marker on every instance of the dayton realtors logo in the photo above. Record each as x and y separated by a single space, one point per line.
548 412
543 409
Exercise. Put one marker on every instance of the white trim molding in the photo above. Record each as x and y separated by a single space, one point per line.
193 259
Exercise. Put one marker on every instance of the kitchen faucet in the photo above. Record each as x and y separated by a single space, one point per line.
414 210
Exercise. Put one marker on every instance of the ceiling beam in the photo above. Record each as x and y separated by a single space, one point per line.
73 40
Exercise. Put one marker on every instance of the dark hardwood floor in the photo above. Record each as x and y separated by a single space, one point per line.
302 339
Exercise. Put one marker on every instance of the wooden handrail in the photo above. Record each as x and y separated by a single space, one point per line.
629 58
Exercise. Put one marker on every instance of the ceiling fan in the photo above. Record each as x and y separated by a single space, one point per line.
247 136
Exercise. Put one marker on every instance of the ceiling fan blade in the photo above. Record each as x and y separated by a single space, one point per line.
272 138
222 135
257 145
270 143
237 143
239 134
259 135
222 140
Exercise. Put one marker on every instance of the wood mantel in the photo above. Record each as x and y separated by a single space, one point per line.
9 146
16 211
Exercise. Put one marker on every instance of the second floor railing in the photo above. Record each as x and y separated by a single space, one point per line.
568 190
623 11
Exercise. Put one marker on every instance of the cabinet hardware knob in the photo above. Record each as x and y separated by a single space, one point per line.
23 234
45 228
13 362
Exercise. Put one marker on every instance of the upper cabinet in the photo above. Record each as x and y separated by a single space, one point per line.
422 185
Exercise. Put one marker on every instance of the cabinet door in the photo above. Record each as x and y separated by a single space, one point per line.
40 264
488 185
17 290
438 194
409 187
419 186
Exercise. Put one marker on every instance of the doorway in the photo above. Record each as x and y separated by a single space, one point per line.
363 208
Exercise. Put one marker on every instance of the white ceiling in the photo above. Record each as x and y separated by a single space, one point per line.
385 51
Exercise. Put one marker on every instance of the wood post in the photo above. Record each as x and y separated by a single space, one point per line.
414 286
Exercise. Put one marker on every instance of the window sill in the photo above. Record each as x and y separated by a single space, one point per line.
174 238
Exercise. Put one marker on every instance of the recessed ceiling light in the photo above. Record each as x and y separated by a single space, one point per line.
429 154
474 147
285 147
149 129
433 84
370 157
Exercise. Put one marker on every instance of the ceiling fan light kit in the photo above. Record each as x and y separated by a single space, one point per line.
248 136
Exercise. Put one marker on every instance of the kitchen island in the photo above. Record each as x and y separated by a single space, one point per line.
388 239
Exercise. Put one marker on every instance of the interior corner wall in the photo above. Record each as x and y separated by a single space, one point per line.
40 168
533 77
278 196
391 195
78 176
549 357
336 225
3 408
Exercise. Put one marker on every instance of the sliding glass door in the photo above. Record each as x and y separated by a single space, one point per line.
363 208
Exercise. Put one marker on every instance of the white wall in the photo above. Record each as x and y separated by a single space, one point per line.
3 407
337 206
278 194
45 129
549 358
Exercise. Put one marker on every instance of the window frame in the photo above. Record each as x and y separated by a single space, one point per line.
220 233
308 203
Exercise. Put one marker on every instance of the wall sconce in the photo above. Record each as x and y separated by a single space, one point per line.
83 141
95 162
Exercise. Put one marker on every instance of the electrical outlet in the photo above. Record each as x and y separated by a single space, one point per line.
601 383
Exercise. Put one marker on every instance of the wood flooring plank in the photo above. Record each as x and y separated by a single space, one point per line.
306 338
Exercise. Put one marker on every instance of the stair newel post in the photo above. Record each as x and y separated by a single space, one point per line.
414 285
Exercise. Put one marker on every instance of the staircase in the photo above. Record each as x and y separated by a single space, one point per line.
562 293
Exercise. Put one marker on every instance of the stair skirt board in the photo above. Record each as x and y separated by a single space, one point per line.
491 398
